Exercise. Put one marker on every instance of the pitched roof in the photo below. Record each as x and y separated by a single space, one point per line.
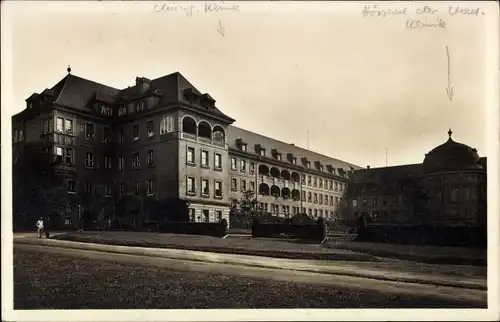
76 92
252 139
388 173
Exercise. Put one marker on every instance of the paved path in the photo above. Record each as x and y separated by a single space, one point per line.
436 275
390 287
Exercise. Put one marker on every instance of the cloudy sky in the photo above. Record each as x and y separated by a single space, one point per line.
359 85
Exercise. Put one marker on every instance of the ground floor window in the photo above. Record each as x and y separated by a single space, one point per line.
219 215
206 215
192 215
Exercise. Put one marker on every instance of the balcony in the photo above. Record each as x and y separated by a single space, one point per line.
194 137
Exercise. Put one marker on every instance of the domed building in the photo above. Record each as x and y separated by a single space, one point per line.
447 189
454 183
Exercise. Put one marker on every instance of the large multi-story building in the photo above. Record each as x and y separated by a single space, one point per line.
448 188
164 139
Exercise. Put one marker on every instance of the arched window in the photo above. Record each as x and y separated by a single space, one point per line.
166 125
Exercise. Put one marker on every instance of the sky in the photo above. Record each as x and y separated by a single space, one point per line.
359 85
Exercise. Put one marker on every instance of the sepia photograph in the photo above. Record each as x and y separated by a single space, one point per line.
250 160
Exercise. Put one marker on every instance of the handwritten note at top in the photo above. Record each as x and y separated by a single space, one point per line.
424 16
194 8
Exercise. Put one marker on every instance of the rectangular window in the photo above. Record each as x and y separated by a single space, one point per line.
149 187
252 185
135 160
234 184
278 156
218 189
107 162
151 160
320 183
251 169
354 203
337 201
204 187
336 186
121 135
192 215
331 185
139 106
190 155
320 199
243 185
262 152
89 131
191 185
315 182
309 179
122 189
89 160
206 215
218 215
135 132
243 165
395 200
218 161
315 213
68 126
331 200
68 158
137 187
243 147
45 124
315 197
71 186
121 163
106 135
59 124
303 195
384 201
340 187
309 197
204 158
233 164
89 188
309 211
150 127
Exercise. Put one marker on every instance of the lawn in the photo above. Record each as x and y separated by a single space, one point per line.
331 250
44 281
243 246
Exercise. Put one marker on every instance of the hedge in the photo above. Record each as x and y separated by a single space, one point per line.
218 229
317 231
424 235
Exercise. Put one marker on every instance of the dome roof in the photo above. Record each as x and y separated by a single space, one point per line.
451 156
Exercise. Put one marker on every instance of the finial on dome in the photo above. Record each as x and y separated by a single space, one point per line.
69 69
450 132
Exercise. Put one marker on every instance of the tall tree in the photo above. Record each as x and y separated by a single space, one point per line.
38 190
247 203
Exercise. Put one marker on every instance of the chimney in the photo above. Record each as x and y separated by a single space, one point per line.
142 83
368 167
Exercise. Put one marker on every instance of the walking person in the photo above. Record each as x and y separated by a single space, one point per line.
39 228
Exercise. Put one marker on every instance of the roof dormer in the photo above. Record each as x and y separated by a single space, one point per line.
32 100
260 150
207 101
306 162
276 154
241 144
292 158
318 165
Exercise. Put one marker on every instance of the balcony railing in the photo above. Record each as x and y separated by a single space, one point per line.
201 139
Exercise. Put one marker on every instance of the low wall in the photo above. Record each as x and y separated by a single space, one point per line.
424 235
